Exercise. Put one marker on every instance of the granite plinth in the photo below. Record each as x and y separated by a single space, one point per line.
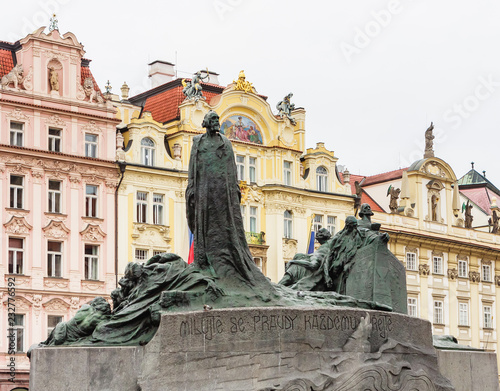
274 348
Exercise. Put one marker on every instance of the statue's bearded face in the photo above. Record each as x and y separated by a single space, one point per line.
351 223
211 122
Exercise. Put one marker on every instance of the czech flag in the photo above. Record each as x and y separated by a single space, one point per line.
191 247
310 246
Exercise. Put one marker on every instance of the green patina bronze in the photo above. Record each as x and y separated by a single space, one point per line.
223 274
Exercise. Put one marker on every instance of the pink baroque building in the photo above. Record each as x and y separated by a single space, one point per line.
57 191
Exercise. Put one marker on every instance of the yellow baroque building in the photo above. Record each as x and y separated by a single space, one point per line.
284 187
453 271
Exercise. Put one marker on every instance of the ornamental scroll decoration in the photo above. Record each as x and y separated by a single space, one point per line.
452 274
474 276
93 233
424 269
18 225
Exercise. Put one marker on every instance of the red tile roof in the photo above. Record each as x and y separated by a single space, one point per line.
480 196
85 72
6 62
365 197
384 177
164 106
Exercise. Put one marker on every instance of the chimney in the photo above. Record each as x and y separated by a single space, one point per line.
161 72
212 77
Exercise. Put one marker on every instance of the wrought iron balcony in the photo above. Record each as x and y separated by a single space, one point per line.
255 237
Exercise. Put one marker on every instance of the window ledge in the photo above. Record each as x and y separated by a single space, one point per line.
438 324
55 214
18 210
463 326
88 218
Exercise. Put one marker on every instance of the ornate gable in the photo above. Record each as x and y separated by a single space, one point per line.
93 233
56 230
18 226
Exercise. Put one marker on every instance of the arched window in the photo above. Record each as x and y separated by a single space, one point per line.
147 152
321 178
288 224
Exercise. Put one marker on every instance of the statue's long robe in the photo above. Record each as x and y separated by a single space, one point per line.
214 214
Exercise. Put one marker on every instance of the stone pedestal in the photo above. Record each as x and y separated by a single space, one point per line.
469 370
277 348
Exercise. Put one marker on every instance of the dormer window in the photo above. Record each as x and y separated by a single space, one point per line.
321 178
147 151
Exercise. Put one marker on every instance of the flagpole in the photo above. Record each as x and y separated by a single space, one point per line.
310 232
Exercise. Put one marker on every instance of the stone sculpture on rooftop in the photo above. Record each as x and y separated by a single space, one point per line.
192 89
285 108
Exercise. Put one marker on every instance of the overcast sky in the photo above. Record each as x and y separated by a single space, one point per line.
371 75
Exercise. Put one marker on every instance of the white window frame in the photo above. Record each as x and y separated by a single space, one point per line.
252 169
142 207
258 262
463 268
148 147
243 210
158 202
54 140
92 146
287 173
14 253
438 312
91 200
55 197
463 314
288 224
91 262
50 328
17 329
411 261
331 224
240 167
321 179
254 219
413 307
16 192
318 223
486 273
487 317
16 135
141 254
54 257
437 265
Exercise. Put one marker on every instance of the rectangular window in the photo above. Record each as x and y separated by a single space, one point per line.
52 321
252 169
54 197
331 222
91 262
240 167
17 134
90 145
288 224
142 207
54 140
157 252
463 268
318 223
158 209
287 173
54 259
17 333
437 265
258 262
463 314
16 255
486 273
488 324
412 307
411 261
91 201
16 191
438 312
243 216
253 219
141 255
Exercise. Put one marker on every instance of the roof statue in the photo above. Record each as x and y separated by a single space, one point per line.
241 84
193 89
393 203
223 273
429 137
493 222
53 23
285 108
468 214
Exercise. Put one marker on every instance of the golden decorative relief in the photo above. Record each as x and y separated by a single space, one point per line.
241 84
